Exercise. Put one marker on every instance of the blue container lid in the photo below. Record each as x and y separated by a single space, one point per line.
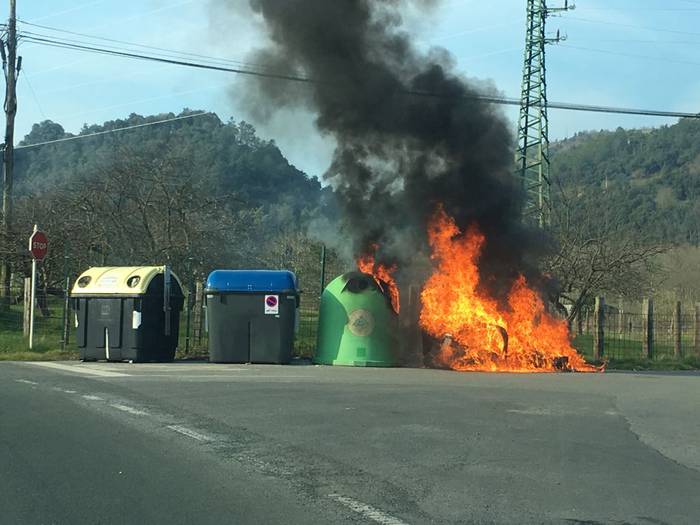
252 281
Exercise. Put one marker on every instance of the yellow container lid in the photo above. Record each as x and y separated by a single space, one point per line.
118 280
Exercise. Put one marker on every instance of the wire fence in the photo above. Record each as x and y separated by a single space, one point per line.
54 327
49 321
633 335
615 333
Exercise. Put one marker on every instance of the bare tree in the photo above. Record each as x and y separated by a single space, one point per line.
144 210
596 255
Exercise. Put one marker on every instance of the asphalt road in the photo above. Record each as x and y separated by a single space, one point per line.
199 443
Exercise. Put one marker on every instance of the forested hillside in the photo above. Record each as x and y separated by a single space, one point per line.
196 193
651 177
199 193
227 157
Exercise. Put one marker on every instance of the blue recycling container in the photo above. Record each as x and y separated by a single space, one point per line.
251 315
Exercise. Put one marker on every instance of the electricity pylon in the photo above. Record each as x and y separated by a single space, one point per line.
532 157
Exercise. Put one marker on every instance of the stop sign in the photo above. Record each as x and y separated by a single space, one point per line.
38 245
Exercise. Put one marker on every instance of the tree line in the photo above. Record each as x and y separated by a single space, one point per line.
196 194
200 193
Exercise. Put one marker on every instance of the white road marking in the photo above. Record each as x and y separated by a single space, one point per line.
26 381
177 367
367 511
189 433
130 410
92 398
80 369
63 390
218 377
532 411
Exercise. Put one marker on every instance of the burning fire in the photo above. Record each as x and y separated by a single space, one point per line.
383 276
475 331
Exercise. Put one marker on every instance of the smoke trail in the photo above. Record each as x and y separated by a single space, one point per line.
408 133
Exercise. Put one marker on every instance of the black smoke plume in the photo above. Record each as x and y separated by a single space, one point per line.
410 134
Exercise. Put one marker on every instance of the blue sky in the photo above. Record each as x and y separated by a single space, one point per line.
635 53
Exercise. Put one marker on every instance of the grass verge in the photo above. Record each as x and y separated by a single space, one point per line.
13 347
636 364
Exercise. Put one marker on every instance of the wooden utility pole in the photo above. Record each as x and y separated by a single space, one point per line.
11 66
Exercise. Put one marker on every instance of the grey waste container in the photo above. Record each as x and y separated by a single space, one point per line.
251 315
127 313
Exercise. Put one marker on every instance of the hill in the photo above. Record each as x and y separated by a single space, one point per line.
228 157
196 193
651 177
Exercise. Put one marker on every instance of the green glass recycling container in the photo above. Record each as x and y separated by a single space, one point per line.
357 324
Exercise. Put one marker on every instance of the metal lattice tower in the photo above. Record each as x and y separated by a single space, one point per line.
532 157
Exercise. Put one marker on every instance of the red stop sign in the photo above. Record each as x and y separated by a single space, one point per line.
38 245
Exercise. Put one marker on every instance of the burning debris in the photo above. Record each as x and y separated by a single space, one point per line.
484 334
412 138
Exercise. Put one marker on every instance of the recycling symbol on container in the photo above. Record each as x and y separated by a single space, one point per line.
361 323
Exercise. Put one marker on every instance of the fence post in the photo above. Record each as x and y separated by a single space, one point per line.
323 269
66 315
648 328
598 328
697 329
677 330
197 321
620 318
188 330
25 305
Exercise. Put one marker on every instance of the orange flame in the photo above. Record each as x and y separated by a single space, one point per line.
476 332
383 275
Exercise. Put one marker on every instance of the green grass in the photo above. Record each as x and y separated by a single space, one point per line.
622 349
48 333
51 355
638 364
627 354
15 347
305 341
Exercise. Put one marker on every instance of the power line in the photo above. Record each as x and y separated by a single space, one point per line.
638 8
132 103
694 2
132 44
71 9
31 89
307 80
102 80
632 55
634 26
126 54
476 30
638 41
31 37
106 132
